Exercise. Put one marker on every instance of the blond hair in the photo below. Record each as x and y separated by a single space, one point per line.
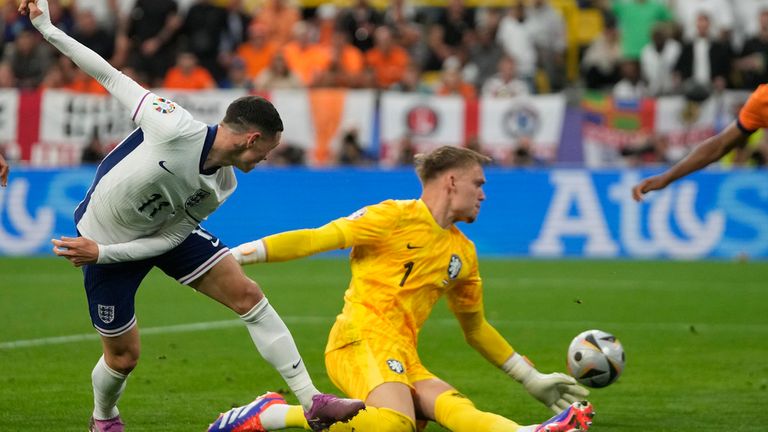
430 165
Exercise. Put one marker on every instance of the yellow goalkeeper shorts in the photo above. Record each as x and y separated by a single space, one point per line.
361 366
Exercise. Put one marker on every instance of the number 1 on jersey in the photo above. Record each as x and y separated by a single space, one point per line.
408 267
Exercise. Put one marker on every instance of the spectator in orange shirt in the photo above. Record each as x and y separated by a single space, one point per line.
346 64
65 75
277 75
278 17
188 75
451 82
256 52
305 58
83 83
386 58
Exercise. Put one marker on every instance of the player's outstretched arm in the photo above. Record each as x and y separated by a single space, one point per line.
704 154
556 390
4 169
127 91
290 245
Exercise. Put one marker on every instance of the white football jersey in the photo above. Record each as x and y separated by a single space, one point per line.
151 191
153 184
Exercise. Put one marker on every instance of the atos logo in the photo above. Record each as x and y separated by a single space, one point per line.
666 224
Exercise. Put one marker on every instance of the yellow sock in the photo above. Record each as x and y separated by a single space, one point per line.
458 414
370 419
294 418
376 420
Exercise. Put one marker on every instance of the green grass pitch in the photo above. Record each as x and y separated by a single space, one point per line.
695 335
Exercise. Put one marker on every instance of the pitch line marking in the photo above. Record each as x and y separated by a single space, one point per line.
315 320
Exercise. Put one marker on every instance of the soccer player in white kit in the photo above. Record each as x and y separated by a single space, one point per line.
143 210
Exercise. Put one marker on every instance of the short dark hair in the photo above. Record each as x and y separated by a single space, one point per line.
430 165
253 112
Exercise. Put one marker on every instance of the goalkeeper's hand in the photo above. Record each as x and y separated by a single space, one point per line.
556 390
249 253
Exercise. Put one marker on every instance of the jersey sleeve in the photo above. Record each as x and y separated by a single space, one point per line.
300 243
467 294
754 113
162 119
369 224
146 247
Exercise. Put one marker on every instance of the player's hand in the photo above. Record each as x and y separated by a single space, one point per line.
556 390
4 169
24 6
35 8
78 250
647 185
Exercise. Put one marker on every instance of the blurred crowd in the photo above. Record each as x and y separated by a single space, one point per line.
630 48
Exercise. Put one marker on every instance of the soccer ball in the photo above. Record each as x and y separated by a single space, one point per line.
595 358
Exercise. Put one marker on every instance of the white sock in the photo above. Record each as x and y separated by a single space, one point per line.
527 428
108 385
273 418
276 345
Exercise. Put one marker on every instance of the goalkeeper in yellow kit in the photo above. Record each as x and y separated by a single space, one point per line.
405 255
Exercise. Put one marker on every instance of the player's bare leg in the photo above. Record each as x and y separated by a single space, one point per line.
121 354
395 396
226 283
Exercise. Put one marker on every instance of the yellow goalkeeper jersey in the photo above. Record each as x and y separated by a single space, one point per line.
402 261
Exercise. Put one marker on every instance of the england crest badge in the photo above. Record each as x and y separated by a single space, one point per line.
106 313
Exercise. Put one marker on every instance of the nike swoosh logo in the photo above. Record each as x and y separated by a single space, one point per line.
215 243
295 365
410 246
162 165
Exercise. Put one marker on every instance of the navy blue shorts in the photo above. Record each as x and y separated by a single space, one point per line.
111 288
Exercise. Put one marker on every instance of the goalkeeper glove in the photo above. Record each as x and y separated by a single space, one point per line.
556 390
249 253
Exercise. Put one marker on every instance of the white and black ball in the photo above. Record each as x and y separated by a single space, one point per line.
595 358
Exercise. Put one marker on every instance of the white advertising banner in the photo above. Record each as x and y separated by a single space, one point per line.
686 123
9 120
69 120
316 120
422 121
504 122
